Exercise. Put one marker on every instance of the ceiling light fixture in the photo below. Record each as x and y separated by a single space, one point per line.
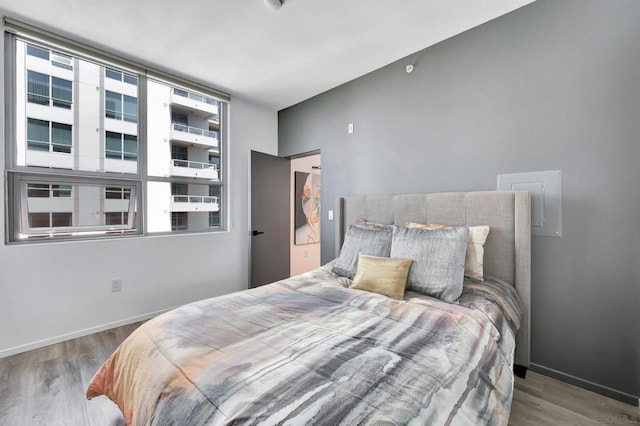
274 4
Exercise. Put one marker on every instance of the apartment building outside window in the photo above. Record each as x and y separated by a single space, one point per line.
89 137
121 107
120 146
48 136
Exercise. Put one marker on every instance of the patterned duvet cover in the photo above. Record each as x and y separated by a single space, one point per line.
308 350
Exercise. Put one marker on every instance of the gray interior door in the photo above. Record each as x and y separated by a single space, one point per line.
270 218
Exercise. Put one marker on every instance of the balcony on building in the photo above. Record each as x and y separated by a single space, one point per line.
194 203
194 135
199 105
194 169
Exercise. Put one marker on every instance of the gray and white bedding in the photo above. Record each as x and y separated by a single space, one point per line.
309 350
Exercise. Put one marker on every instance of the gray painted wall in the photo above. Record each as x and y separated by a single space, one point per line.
554 85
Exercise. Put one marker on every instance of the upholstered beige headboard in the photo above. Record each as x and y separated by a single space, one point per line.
508 247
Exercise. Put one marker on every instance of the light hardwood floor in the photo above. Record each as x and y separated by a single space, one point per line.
46 387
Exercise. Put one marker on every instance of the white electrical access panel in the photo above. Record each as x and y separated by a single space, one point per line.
546 198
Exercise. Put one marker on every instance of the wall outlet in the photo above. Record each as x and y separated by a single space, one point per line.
116 284
330 215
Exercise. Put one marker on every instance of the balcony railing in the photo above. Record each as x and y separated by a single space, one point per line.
194 130
194 96
194 199
194 165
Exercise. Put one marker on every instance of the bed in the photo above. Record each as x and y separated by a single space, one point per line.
312 350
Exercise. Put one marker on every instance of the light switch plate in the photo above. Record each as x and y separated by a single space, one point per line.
330 215
546 198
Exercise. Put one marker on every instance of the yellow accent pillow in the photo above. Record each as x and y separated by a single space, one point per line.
382 275
474 261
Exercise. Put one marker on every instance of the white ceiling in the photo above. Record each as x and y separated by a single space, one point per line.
276 58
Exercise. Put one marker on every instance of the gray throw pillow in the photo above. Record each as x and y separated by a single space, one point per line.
374 242
438 259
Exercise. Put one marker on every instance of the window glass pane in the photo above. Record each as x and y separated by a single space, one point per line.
130 147
116 75
113 193
214 219
37 52
179 152
62 61
113 105
179 221
116 218
130 109
61 92
61 191
61 219
113 145
61 137
179 117
179 189
98 202
37 134
37 88
131 79
37 190
39 220
37 130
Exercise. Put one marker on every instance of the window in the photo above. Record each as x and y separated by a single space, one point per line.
39 190
51 137
38 88
67 180
46 90
51 208
50 220
214 216
179 152
179 221
117 193
120 76
119 146
57 59
121 107
37 52
116 218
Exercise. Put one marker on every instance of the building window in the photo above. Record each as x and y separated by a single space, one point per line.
57 59
50 220
47 90
179 152
179 221
46 136
117 193
121 76
120 146
39 190
121 107
85 147
37 52
116 218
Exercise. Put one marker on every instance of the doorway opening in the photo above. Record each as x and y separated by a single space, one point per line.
306 212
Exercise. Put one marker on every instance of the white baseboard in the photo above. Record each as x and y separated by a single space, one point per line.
80 333
586 384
